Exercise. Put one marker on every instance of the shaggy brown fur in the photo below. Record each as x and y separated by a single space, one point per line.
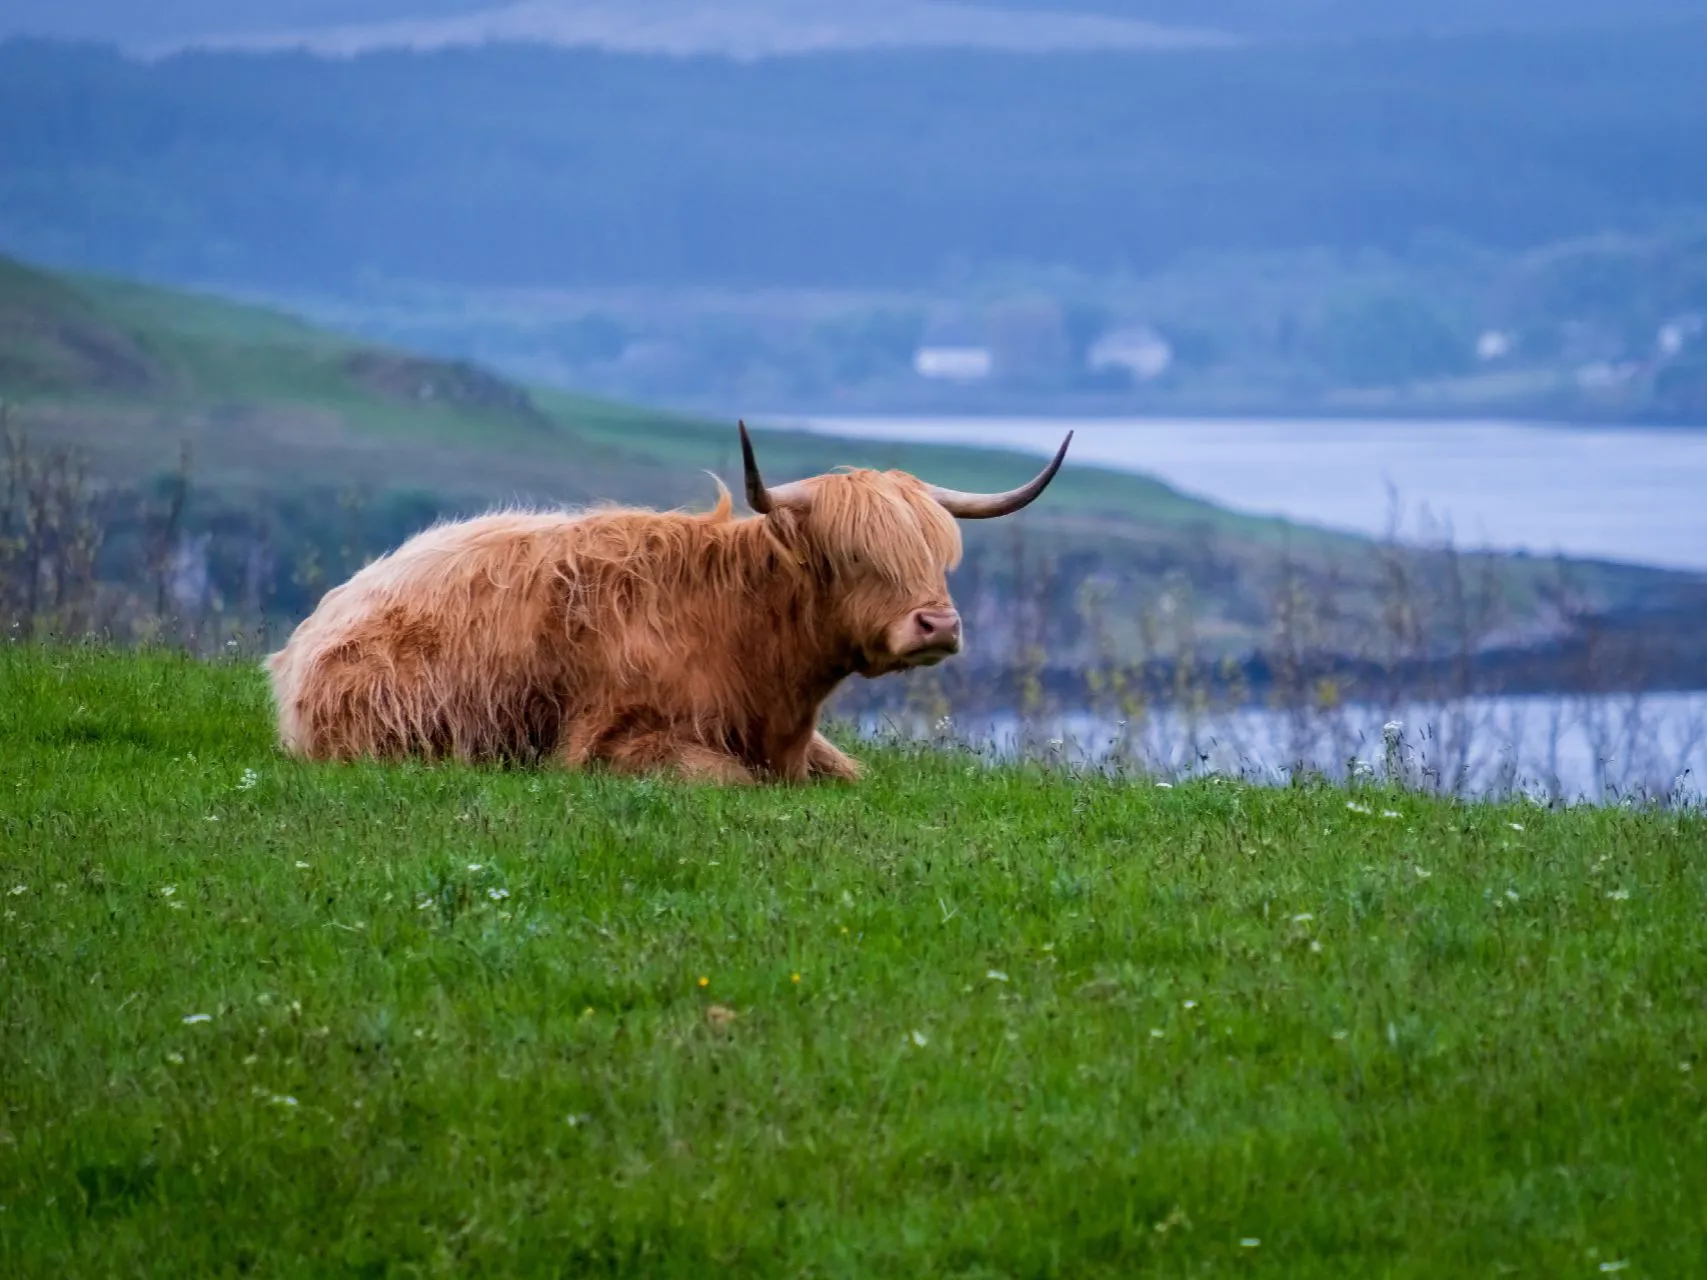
705 643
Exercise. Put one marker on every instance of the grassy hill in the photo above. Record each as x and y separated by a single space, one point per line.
271 1019
128 371
300 437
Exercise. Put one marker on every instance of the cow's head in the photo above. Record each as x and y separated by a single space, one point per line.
881 544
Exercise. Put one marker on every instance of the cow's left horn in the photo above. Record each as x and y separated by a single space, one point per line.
759 498
987 506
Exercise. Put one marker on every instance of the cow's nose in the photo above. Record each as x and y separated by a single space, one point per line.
937 628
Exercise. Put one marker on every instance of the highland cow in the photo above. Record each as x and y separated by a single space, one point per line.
641 640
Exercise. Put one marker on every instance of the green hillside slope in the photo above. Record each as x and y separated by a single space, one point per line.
291 428
128 372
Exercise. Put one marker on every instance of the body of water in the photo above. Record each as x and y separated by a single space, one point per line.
1595 748
1631 494
1637 495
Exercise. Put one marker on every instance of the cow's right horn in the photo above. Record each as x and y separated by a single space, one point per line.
987 506
761 499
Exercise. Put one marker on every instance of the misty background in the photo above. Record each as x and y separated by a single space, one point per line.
1387 207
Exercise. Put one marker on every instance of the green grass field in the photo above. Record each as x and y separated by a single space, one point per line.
277 1020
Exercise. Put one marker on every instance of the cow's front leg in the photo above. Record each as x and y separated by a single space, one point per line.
825 760
805 754
649 751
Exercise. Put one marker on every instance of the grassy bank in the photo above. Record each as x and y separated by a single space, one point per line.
278 1020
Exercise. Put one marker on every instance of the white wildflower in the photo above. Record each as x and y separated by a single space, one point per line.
1619 1265
1358 808
475 866
1389 813
497 895
1619 895
166 891
301 865
248 781
213 817
1392 729
284 1100
20 889
1512 894
996 975
1249 1242
1303 917
1515 826
1191 1004
1422 874
190 1019
920 1039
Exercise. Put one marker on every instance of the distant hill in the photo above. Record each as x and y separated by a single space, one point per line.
711 22
305 443
1293 20
743 29
537 167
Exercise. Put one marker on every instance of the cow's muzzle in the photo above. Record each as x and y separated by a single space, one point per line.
931 636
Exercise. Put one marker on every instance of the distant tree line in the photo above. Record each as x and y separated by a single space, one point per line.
530 166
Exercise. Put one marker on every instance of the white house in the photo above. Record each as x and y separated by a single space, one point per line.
1676 334
959 364
1493 345
1142 352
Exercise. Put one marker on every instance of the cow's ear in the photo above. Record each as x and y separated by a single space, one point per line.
783 532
